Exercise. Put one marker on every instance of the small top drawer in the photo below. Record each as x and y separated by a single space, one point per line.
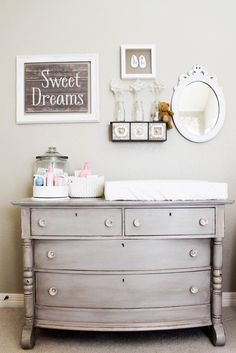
177 221
76 222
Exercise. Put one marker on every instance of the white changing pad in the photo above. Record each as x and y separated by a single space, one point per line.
160 190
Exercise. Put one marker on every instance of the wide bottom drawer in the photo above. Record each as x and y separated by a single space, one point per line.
122 290
121 319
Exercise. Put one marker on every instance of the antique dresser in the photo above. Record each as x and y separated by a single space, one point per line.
97 265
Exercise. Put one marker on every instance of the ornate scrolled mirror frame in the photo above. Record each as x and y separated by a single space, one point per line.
198 74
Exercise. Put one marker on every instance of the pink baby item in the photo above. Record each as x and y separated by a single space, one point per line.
50 176
85 171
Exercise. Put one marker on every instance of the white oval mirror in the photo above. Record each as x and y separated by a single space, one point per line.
198 106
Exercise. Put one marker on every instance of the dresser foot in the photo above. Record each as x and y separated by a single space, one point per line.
217 335
28 337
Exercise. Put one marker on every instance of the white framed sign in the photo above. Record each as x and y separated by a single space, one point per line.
57 89
138 61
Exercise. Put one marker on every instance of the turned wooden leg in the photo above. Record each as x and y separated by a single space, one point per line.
217 329
28 337
217 335
28 332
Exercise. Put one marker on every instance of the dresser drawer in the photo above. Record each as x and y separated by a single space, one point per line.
125 319
122 255
175 221
84 222
122 290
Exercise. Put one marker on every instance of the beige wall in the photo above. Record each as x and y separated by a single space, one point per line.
185 32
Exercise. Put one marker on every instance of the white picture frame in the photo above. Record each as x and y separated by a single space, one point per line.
138 61
120 131
91 113
139 131
157 131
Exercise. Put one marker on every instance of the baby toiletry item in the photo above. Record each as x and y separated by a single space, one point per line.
39 180
86 171
51 175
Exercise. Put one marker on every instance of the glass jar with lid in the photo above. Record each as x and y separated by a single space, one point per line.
51 175
53 159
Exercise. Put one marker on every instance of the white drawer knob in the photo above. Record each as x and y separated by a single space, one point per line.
51 254
203 221
193 253
136 222
108 223
52 291
42 222
194 290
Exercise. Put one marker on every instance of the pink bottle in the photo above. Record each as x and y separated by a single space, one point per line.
50 176
85 171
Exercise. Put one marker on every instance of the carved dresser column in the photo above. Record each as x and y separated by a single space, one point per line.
218 334
27 339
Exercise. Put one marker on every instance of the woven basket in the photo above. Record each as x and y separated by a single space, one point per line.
92 186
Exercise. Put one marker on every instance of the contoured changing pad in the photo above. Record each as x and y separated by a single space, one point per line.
160 190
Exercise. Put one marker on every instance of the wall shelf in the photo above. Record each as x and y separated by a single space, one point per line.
138 131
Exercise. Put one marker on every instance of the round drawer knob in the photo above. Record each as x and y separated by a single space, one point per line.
52 291
194 290
51 254
108 223
42 222
203 221
193 253
136 223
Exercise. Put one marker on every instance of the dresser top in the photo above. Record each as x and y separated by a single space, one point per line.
87 202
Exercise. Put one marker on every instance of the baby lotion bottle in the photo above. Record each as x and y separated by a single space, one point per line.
50 176
86 171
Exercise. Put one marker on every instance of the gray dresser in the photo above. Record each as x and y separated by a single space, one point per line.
97 265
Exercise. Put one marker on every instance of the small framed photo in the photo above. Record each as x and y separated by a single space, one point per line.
138 61
139 131
120 131
157 131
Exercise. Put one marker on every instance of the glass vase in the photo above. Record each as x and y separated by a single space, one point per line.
138 111
119 113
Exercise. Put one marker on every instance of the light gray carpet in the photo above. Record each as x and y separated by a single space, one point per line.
56 341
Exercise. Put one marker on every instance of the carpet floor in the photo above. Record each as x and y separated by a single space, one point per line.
171 341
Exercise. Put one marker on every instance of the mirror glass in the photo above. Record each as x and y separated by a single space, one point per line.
198 108
198 105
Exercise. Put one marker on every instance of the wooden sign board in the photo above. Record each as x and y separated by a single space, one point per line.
57 90
57 87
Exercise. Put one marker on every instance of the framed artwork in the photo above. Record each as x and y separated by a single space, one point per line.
120 131
139 131
138 61
157 131
57 89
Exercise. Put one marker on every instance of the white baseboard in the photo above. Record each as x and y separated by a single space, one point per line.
229 298
16 300
11 300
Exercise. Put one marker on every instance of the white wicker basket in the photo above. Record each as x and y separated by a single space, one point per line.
91 186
